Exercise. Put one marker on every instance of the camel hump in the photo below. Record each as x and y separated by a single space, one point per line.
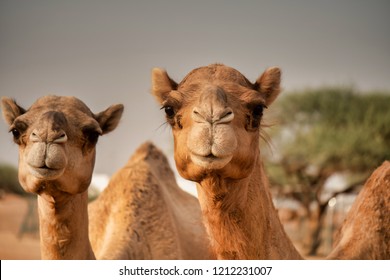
380 178
154 160
365 232
147 151
384 169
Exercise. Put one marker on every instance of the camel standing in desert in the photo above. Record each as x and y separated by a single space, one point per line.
140 215
215 114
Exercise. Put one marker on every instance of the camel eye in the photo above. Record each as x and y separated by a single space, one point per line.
91 135
16 133
169 111
253 118
258 111
17 129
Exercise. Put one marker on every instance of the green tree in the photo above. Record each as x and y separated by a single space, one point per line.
328 130
9 180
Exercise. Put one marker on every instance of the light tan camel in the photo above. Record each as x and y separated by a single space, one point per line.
143 214
215 115
139 215
365 233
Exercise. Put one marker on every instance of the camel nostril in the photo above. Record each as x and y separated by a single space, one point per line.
197 116
196 112
227 114
34 137
62 138
226 117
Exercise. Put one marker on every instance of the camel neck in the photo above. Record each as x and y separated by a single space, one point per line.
64 226
241 219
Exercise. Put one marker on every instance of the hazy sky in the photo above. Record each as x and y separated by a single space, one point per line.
103 53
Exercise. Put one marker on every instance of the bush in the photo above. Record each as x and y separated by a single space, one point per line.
9 180
337 127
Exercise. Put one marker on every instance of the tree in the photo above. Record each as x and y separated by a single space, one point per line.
9 180
324 131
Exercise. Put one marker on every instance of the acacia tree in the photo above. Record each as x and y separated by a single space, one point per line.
324 131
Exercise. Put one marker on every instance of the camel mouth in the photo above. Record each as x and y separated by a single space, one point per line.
210 161
45 172
211 157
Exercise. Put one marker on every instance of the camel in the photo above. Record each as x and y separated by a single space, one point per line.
215 114
365 232
141 214
57 138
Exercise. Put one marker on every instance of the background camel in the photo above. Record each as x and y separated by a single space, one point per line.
365 233
215 114
143 214
140 215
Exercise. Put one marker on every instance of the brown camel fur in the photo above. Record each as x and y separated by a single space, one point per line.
365 233
143 214
215 114
140 215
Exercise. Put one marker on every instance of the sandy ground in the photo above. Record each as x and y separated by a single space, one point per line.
13 211
16 246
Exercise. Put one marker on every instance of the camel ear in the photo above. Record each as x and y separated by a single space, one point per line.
11 110
269 84
109 118
162 84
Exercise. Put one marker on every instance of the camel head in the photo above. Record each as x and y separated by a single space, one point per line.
57 138
215 114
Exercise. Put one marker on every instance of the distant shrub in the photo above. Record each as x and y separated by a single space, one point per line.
339 128
9 180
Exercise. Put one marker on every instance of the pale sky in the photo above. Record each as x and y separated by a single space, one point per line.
103 51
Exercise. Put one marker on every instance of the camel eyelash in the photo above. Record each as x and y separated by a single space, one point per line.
169 111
